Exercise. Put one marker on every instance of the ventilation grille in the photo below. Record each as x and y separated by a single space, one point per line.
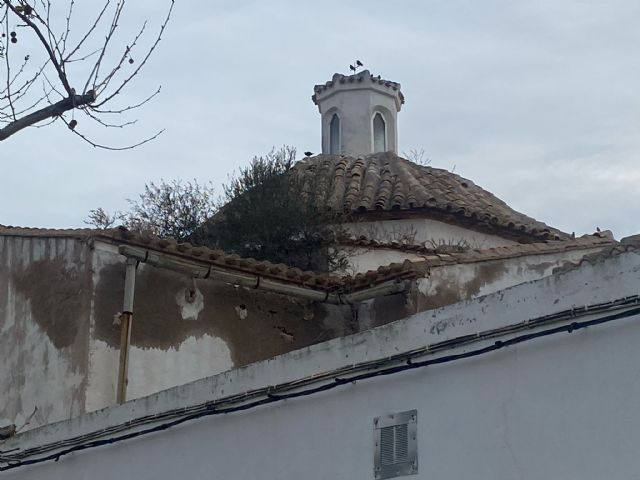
395 445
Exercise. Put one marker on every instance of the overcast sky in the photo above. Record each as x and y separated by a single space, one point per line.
535 101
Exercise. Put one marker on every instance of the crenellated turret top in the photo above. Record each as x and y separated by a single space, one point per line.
363 79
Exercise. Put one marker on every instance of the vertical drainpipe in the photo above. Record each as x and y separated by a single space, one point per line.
125 335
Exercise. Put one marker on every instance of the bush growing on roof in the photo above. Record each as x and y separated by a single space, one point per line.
167 209
269 213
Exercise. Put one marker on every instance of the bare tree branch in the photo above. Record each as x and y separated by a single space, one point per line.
107 147
45 44
129 107
144 61
52 25
88 34
54 110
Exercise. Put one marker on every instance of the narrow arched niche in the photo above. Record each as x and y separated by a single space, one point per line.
379 133
334 135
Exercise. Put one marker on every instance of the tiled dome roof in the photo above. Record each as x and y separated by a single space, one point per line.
384 184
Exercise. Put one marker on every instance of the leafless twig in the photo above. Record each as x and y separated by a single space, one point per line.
43 43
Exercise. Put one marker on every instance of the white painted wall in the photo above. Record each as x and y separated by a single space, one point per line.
356 103
562 407
364 259
421 230
152 369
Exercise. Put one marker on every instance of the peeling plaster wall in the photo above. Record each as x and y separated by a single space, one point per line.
60 300
45 287
421 230
449 284
184 329
559 407
60 335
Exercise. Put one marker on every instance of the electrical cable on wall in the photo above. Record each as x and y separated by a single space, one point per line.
408 364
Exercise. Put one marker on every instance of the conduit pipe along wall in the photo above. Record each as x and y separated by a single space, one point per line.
199 270
126 320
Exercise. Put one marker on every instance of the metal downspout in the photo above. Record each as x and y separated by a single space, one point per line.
126 320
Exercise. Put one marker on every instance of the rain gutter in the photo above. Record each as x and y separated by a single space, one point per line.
201 270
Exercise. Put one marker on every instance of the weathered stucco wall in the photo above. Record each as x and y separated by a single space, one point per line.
453 283
185 329
60 299
561 407
45 292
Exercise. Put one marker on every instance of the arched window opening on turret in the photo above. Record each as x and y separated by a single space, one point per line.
379 134
334 135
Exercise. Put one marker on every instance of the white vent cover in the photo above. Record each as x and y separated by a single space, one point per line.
395 439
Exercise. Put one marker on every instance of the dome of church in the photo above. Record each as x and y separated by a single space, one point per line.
386 186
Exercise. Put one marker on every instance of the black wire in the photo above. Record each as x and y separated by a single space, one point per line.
272 398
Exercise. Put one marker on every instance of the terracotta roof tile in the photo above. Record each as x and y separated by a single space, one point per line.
220 259
385 182
628 244
452 254
9 230
321 282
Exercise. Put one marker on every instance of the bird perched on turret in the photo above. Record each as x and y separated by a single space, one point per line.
308 154
354 67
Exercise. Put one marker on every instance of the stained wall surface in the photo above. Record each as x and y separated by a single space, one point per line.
185 329
561 406
45 303
60 300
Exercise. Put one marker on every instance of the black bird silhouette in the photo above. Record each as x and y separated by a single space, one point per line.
351 67
359 63
308 154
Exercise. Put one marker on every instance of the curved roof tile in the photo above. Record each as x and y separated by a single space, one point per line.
385 182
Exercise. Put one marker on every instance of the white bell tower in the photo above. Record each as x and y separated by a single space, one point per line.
359 114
